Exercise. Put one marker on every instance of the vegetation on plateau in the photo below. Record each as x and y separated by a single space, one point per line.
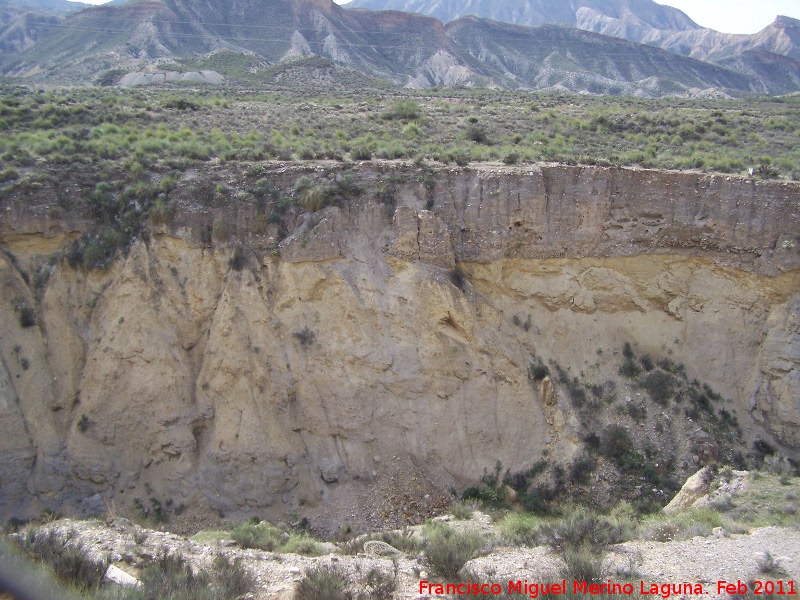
176 127
121 156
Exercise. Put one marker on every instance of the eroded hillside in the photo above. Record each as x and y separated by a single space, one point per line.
352 345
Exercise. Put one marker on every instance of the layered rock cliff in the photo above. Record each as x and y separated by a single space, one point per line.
360 361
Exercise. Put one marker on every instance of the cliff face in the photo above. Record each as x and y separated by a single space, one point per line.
352 369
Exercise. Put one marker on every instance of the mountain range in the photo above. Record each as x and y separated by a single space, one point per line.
596 46
634 20
642 21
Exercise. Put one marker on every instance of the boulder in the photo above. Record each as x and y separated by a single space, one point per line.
379 548
120 577
695 488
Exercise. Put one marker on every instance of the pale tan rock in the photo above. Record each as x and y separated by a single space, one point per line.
192 379
776 392
511 494
695 488
379 548
547 392
116 575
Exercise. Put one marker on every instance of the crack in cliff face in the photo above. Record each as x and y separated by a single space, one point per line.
419 235
547 193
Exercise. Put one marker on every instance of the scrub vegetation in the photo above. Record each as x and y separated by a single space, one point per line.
177 127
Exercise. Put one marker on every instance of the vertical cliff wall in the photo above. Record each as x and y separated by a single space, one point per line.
337 365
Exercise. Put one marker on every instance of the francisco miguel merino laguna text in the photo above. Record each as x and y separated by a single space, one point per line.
535 589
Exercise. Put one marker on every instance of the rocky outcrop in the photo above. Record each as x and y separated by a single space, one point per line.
775 396
348 368
138 78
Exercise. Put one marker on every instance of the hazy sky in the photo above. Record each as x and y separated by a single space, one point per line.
730 16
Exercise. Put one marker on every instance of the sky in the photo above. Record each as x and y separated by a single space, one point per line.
729 16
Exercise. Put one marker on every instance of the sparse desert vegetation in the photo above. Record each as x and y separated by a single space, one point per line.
178 127
575 544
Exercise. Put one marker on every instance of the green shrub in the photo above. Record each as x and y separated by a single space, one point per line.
582 564
696 522
404 540
260 536
627 350
461 156
323 582
391 150
171 576
143 191
109 78
263 536
630 368
537 370
233 580
356 545
284 203
766 171
770 567
378 585
265 189
71 561
477 134
361 152
404 110
661 386
521 529
637 411
161 212
490 492
487 496
181 104
238 259
8 174
581 470
581 528
261 222
153 512
27 317
577 393
222 230
305 336
448 550
84 423
301 544
317 197
461 511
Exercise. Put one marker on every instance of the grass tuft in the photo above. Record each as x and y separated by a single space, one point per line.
323 582
448 550
72 562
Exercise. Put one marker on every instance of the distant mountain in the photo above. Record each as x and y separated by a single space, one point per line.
779 74
634 20
781 37
138 32
23 22
641 21
59 7
559 57
238 37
